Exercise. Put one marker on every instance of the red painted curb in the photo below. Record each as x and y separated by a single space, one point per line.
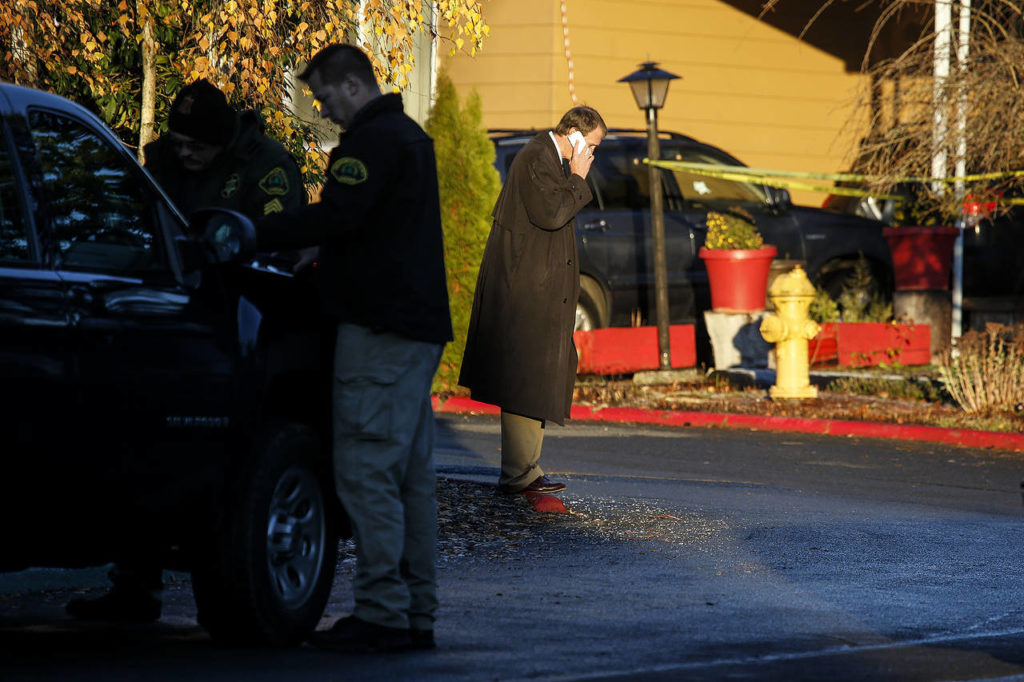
830 427
466 406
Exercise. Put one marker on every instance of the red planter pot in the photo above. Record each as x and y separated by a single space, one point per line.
921 256
738 278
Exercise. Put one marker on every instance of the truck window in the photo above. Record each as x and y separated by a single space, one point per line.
100 210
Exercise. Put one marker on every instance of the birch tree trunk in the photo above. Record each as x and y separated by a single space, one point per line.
148 82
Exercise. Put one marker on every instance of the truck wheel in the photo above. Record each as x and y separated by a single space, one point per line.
270 569
591 310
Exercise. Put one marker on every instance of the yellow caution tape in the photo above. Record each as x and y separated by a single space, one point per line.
710 168
773 181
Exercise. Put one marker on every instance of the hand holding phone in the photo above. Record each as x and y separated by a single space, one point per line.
577 141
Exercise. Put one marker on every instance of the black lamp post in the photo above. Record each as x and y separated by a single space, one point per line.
650 87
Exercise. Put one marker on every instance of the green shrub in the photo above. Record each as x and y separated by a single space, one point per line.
859 301
468 184
823 308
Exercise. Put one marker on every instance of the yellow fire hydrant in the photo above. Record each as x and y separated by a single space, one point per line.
790 329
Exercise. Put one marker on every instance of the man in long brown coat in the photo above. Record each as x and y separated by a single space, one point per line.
519 350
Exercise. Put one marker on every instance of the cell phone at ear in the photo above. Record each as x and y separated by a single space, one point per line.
577 141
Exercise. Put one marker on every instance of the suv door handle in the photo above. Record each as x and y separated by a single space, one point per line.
597 226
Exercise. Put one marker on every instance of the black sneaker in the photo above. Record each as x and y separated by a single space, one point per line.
421 639
120 606
356 636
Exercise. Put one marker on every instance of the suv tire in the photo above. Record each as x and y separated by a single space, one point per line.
591 309
269 575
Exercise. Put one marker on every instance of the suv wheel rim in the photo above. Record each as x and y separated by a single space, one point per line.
583 320
295 536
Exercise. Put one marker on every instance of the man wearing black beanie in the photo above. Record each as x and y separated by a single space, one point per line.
213 156
210 156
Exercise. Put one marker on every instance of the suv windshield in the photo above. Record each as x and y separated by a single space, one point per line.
696 188
619 178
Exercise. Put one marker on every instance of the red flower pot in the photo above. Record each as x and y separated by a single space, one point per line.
738 278
921 256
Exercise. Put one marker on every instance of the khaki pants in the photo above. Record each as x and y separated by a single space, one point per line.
521 440
384 472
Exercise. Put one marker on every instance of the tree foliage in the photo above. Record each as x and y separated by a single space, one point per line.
974 115
469 185
127 59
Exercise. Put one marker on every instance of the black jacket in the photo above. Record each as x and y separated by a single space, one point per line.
378 224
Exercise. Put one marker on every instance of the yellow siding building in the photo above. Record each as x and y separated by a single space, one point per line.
751 85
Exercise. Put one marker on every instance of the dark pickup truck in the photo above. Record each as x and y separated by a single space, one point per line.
157 396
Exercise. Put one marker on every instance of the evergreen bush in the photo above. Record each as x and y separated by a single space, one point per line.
859 300
469 185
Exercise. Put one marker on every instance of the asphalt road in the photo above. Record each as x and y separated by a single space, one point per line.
691 554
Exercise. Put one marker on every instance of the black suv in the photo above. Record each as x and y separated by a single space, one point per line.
156 397
616 246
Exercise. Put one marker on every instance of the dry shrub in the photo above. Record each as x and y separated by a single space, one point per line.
985 371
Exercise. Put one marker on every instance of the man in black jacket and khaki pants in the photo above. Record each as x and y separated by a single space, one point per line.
378 226
519 349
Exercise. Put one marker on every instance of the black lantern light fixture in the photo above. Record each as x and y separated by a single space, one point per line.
650 87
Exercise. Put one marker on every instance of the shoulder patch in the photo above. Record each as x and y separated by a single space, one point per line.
275 183
349 170
231 186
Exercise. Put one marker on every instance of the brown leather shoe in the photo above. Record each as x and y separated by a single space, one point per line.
543 485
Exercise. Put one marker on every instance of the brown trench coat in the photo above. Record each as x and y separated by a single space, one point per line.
519 349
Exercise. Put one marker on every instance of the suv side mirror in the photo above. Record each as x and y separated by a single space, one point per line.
781 198
229 235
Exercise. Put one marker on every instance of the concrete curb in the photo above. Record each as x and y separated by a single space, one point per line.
826 427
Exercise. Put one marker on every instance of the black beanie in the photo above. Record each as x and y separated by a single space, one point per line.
201 112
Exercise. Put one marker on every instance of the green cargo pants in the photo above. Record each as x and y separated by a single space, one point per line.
384 472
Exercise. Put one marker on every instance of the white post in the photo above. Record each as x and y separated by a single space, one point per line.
943 28
962 51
